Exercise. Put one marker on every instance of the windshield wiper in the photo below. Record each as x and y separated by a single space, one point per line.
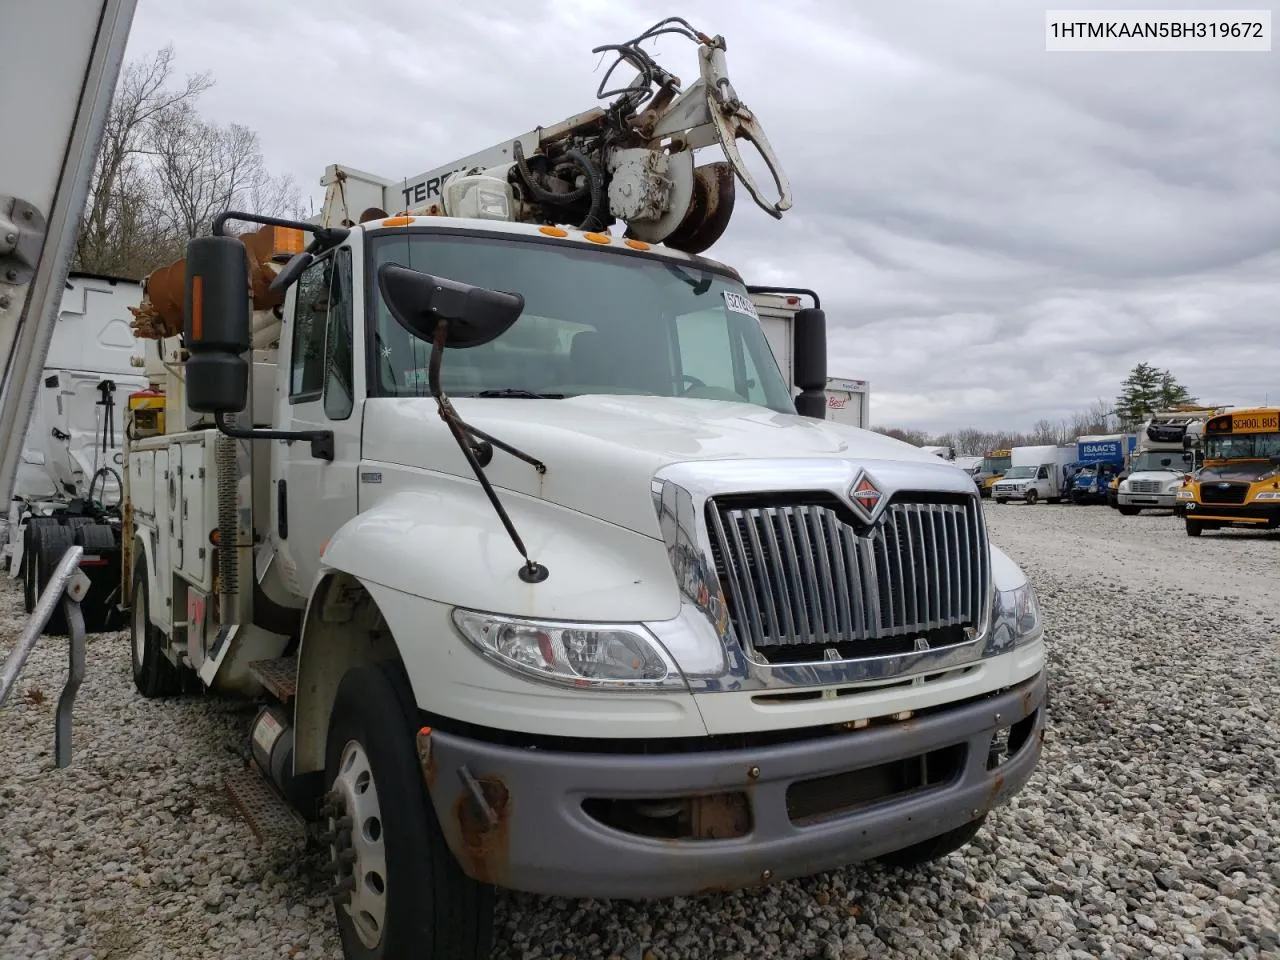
515 392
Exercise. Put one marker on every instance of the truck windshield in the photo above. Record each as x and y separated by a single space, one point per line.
994 465
595 322
1020 473
1176 461
1243 446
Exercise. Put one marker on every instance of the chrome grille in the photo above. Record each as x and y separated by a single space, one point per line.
799 574
1144 486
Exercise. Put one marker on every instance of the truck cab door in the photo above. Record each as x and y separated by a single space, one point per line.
318 391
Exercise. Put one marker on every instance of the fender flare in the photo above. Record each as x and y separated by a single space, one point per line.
142 537
340 604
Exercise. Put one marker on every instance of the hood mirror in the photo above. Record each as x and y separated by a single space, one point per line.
447 313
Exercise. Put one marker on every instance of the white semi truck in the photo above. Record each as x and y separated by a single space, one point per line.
1170 445
69 474
1035 474
542 576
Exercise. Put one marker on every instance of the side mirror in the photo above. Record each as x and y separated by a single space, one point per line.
473 315
216 325
291 271
809 361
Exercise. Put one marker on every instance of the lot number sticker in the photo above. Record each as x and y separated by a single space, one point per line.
740 304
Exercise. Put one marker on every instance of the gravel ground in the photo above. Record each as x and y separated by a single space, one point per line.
1152 828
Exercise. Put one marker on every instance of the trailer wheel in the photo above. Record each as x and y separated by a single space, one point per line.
31 559
935 848
99 611
399 890
1032 498
153 674
51 543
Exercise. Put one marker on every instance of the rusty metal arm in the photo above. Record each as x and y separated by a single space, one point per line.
68 585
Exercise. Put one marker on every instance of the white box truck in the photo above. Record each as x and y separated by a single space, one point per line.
1035 474
848 401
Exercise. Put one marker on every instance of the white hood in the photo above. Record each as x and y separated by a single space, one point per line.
602 452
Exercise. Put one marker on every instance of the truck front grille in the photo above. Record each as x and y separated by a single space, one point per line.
1216 492
801 577
1144 486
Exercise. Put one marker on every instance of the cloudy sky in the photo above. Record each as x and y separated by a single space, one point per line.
998 233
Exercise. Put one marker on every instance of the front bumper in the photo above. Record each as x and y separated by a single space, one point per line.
1163 501
1008 494
1252 514
534 833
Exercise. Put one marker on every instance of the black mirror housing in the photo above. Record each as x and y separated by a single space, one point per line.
216 325
809 361
291 271
419 301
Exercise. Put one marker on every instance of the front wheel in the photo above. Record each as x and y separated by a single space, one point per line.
1032 497
399 890
1194 529
1127 511
935 848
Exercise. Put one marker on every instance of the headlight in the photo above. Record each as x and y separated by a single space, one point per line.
1016 618
574 654
1172 486
1186 495
1124 486
1268 495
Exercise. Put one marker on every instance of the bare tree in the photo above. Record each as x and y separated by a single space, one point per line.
165 171
116 217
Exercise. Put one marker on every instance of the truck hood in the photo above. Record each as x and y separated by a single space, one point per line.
601 452
1162 475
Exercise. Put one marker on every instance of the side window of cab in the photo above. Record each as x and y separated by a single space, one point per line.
321 355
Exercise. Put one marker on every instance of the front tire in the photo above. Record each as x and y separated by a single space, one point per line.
1127 511
935 848
1032 498
403 893
1194 528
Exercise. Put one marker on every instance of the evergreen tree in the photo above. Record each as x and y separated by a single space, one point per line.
1148 388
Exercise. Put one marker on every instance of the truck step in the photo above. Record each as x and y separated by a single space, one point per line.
266 813
280 676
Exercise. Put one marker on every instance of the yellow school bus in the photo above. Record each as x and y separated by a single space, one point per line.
1239 484
994 465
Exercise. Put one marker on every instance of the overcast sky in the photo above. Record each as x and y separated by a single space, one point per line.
998 233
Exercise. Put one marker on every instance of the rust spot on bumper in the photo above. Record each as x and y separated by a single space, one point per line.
426 758
486 847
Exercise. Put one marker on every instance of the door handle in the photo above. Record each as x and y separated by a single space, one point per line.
282 510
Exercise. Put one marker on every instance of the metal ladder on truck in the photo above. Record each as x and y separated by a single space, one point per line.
59 60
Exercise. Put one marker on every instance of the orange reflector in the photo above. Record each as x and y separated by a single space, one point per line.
598 237
215 536
636 244
553 231
286 240
197 307
397 221
424 731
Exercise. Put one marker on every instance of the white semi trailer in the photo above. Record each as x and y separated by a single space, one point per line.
69 474
542 579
